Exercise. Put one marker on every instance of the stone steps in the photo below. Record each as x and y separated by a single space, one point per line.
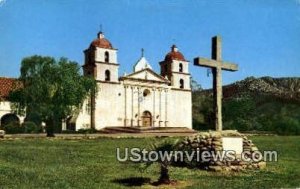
147 130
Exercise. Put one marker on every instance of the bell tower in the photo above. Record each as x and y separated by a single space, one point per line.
176 69
101 60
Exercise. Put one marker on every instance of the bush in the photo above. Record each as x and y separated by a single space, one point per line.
33 117
87 131
287 126
13 128
31 127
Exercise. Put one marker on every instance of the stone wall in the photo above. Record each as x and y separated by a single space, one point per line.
212 142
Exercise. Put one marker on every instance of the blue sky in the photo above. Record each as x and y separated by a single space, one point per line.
263 37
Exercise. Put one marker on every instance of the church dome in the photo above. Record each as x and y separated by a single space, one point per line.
101 42
174 54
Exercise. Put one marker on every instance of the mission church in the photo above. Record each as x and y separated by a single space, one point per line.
143 98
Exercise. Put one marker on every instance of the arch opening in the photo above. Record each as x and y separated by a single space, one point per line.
146 119
181 84
180 67
9 118
107 75
106 56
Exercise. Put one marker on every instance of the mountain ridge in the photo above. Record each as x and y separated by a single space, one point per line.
253 104
285 88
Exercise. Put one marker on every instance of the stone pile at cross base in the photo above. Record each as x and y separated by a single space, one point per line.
212 142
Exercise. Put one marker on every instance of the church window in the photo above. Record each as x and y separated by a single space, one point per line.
107 75
180 67
146 92
181 84
106 56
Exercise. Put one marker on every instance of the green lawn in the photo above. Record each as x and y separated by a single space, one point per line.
55 163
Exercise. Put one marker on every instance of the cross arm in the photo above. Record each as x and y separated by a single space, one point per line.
209 63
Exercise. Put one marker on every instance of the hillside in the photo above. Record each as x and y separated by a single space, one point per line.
266 104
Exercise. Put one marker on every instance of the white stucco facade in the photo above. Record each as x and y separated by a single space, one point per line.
140 99
6 110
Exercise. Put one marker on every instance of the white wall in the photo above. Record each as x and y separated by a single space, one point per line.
83 120
180 108
114 72
176 80
100 52
176 76
175 66
5 108
109 105
118 104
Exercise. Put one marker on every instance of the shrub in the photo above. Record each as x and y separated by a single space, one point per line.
33 117
31 127
87 131
13 128
288 126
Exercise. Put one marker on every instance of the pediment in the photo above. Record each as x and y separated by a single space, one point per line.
146 75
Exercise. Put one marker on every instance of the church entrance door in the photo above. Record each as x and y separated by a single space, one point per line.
146 119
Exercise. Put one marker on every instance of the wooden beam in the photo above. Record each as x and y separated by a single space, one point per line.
205 62
209 63
229 66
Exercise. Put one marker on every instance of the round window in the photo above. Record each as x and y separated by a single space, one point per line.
146 92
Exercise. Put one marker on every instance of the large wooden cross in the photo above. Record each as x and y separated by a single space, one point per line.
217 65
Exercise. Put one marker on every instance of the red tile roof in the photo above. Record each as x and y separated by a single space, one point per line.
102 43
7 85
174 55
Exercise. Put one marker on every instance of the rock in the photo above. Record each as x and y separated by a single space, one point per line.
255 165
2 133
216 135
236 168
218 148
217 143
215 168
246 148
262 165
204 149
219 163
212 142
243 163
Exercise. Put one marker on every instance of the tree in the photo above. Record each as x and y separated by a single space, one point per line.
195 86
167 146
239 113
51 88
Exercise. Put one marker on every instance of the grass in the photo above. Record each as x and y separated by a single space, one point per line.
54 163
